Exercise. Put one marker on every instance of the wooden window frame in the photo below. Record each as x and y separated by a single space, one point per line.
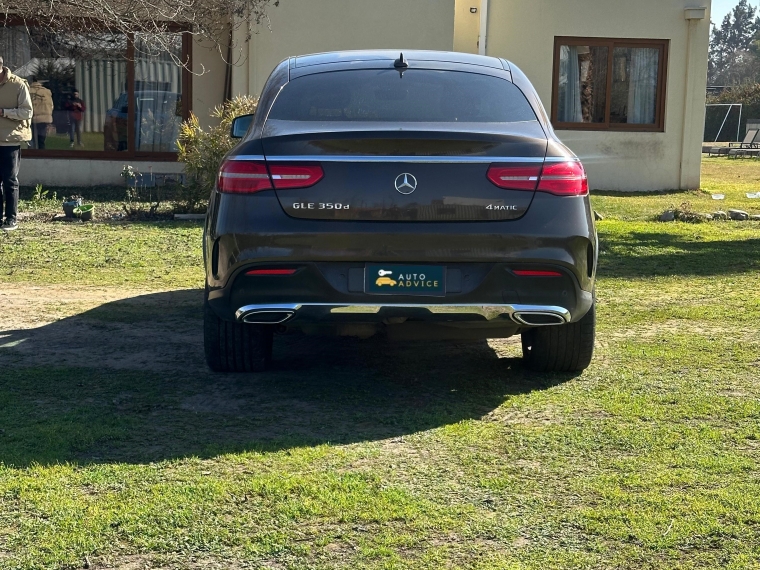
611 43
131 153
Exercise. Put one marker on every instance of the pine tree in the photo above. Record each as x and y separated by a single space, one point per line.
734 47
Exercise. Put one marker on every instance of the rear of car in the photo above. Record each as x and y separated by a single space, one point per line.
420 197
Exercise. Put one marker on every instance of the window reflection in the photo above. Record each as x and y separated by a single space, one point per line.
81 96
158 93
74 80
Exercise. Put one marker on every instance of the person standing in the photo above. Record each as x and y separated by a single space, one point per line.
76 108
42 102
15 128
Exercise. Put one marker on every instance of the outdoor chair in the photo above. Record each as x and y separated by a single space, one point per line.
751 140
719 151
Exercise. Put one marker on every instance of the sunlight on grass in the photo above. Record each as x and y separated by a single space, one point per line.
733 178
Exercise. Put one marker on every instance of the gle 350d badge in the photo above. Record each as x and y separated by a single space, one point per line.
406 280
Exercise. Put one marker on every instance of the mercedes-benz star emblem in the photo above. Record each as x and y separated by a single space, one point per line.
406 183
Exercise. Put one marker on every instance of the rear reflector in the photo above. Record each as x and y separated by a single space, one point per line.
243 177
534 273
295 175
560 178
564 179
515 176
271 272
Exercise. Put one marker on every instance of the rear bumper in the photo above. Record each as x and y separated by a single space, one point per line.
324 313
486 293
247 232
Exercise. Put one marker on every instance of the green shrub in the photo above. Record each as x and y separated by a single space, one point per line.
202 150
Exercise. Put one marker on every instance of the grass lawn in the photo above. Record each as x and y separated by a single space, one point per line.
118 449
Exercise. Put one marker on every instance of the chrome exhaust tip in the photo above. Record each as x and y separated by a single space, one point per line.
266 314
268 317
538 318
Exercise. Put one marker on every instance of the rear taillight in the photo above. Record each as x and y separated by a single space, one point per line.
243 177
536 273
295 175
560 178
515 176
564 179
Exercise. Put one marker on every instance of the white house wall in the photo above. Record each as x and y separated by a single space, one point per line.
210 74
524 33
299 27
519 30
85 172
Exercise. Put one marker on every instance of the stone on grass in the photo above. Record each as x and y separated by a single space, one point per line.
668 216
738 215
689 217
720 215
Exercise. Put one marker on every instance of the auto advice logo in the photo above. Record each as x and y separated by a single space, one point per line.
418 281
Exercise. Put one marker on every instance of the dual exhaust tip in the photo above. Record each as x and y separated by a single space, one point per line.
280 315
538 318
268 317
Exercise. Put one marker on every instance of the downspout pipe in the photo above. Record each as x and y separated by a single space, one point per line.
483 39
692 15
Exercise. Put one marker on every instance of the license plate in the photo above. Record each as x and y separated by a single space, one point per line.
387 279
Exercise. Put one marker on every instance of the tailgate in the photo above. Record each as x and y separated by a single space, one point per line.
400 175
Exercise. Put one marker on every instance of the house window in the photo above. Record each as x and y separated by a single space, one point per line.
604 84
101 94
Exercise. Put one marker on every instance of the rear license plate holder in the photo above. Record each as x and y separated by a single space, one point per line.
416 280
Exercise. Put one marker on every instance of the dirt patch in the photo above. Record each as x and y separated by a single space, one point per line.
101 327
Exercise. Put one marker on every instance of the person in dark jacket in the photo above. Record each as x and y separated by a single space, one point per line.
76 108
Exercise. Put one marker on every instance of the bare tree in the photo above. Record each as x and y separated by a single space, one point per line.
216 22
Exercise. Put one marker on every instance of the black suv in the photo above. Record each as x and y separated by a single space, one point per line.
422 195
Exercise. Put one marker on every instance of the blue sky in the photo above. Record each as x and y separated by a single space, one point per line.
722 7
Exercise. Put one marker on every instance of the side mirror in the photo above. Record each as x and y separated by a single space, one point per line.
240 126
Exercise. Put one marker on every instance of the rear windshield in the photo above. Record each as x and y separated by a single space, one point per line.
421 95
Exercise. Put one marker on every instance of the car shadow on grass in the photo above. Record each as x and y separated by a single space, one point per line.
126 382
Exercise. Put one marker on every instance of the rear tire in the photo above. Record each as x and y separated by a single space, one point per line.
235 347
563 348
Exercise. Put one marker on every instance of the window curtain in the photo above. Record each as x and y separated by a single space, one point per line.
570 75
642 91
